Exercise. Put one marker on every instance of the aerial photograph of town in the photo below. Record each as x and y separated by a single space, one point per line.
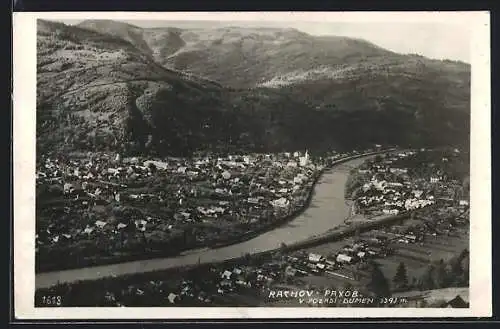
248 164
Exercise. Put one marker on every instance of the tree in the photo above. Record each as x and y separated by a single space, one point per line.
152 168
401 277
378 283
413 282
442 277
149 142
247 258
426 281
459 274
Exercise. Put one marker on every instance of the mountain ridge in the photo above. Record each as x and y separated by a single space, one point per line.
290 51
104 90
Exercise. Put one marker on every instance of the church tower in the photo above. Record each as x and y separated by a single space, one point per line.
304 161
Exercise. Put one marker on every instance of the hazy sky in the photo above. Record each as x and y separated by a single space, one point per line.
431 39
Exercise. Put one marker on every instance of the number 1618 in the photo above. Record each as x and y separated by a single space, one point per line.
52 300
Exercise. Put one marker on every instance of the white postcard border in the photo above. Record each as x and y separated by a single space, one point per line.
24 132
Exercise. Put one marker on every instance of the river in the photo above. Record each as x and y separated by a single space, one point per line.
327 210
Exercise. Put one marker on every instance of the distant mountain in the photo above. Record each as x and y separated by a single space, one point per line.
166 90
322 70
255 56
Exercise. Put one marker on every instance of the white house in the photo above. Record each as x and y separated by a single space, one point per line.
68 187
226 275
315 258
304 160
417 193
157 164
321 266
330 262
411 237
140 225
172 297
341 258
280 203
390 211
290 271
100 224
434 179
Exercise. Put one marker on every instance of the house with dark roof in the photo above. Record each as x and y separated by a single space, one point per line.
457 302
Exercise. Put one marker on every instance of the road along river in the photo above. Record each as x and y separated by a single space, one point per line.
327 210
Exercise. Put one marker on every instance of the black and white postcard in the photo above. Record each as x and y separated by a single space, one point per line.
251 165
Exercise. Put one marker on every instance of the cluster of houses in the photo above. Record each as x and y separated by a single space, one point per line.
429 223
213 286
222 280
335 262
75 195
390 189
245 279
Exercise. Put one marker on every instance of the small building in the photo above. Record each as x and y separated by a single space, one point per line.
88 230
457 302
320 266
315 258
342 258
156 164
226 175
361 254
100 224
226 275
463 203
417 193
330 262
68 188
172 298
140 225
290 271
280 203
411 237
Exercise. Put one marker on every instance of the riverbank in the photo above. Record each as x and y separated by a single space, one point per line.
168 252
327 210
130 278
47 266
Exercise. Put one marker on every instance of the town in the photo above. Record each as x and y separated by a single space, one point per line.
100 209
425 248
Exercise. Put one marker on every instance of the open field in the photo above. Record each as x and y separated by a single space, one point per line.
416 257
